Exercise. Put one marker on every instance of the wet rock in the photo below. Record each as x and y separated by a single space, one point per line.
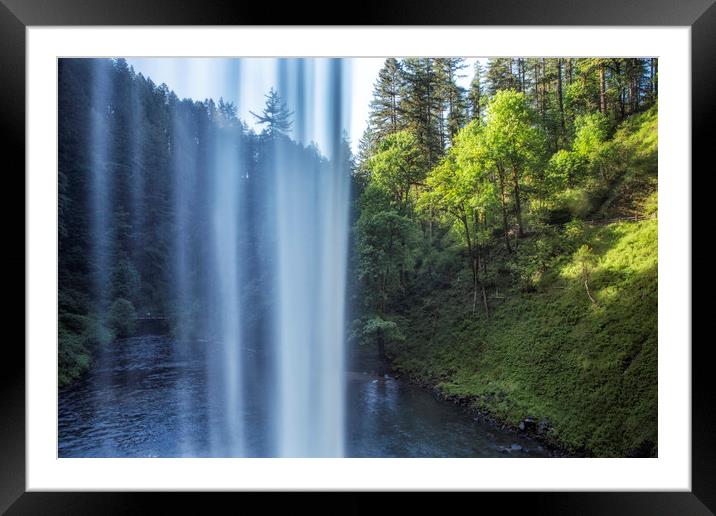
528 424
543 426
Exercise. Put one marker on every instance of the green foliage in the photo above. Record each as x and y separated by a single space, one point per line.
476 95
564 169
634 161
457 184
585 258
512 139
121 319
581 95
591 144
454 104
386 243
592 131
638 139
421 106
500 76
397 166
368 331
571 336
650 206
73 357
590 370
385 108
78 337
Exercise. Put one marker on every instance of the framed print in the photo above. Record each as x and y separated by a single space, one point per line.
420 258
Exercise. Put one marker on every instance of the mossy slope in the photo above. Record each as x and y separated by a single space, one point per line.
588 368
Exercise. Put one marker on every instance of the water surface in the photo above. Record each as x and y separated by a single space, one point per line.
149 397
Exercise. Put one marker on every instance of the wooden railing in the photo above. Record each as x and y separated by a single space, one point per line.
604 222
151 317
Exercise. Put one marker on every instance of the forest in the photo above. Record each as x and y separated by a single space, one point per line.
506 242
502 244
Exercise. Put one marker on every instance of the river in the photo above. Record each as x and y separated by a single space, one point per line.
144 398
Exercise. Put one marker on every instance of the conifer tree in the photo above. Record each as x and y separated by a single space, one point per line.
499 75
421 106
452 96
275 115
385 110
476 94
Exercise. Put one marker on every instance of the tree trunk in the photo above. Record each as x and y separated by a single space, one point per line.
503 202
478 266
394 114
618 72
474 285
471 253
543 103
635 92
484 301
559 93
381 302
603 173
586 287
602 89
518 203
535 72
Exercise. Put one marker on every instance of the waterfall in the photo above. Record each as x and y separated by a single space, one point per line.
312 227
100 203
240 237
227 261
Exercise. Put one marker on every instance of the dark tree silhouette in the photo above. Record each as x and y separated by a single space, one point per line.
275 115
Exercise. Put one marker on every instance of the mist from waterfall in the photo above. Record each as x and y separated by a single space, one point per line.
250 253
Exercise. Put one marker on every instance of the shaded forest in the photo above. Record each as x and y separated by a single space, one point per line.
138 183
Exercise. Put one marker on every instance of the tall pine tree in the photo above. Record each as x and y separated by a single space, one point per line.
385 110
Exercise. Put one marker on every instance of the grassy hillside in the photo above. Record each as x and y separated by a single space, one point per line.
581 360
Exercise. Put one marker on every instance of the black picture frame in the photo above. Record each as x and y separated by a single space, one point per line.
16 15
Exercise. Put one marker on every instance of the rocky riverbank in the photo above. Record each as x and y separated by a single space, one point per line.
538 430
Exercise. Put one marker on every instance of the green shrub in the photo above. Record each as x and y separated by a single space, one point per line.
565 169
78 338
73 356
